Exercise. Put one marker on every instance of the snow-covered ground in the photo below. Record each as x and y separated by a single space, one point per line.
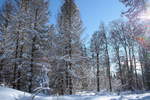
11 94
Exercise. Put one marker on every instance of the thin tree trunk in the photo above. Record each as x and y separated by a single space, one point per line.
19 70
70 67
62 86
70 50
143 79
31 65
67 75
119 63
1 71
98 76
1 66
135 66
141 65
130 71
108 67
15 66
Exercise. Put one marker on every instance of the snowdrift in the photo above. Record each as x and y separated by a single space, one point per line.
11 94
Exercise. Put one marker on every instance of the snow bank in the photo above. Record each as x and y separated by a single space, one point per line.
11 94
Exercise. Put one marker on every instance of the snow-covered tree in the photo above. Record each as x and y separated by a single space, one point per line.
26 45
99 48
134 8
70 29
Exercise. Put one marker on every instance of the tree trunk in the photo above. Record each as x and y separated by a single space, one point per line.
1 71
31 65
108 67
19 76
70 67
142 70
130 71
98 76
119 64
15 66
135 67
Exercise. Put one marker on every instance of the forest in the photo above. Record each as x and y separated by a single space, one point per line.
53 59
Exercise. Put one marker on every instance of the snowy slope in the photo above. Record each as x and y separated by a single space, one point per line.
11 94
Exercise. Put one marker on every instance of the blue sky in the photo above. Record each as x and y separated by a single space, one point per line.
92 13
1 1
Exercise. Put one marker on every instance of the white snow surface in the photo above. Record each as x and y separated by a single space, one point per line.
11 94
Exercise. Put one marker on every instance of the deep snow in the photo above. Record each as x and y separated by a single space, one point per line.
11 94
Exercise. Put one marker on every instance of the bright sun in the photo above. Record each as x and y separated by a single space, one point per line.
145 15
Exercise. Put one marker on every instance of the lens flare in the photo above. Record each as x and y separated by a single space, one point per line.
144 37
145 15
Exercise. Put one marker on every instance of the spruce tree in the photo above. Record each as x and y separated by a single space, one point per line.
70 29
